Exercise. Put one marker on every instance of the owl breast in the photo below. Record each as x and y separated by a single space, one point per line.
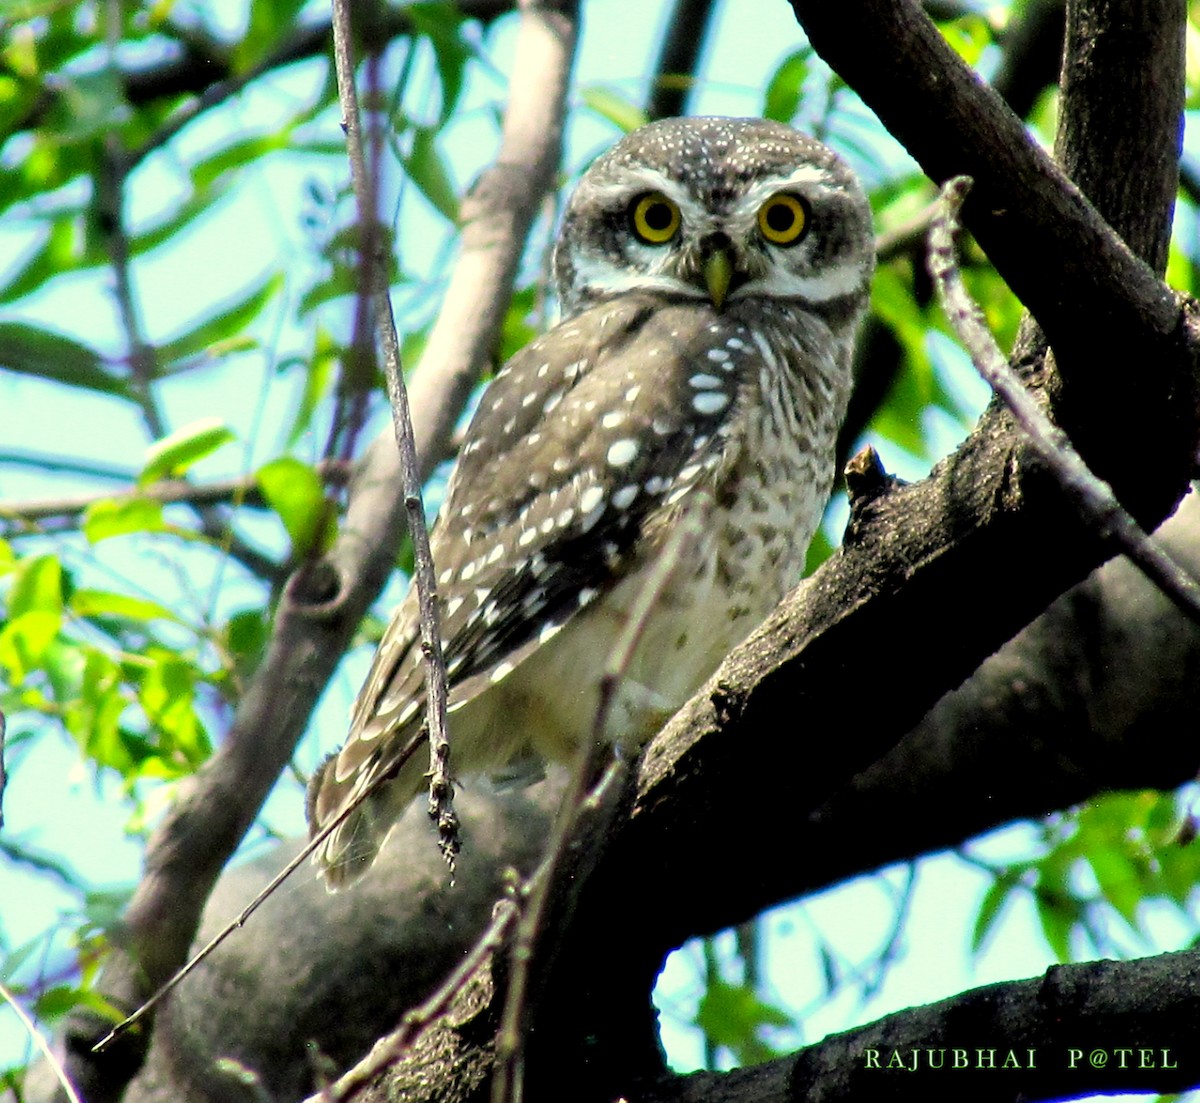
742 534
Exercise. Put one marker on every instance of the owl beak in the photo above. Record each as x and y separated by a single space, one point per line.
718 274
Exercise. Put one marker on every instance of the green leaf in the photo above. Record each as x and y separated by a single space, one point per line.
105 908
441 24
616 108
269 19
1058 917
120 517
105 603
58 253
178 219
820 548
87 106
223 326
782 98
968 36
207 171
731 1015
34 615
1119 882
37 587
168 697
517 331
23 641
428 171
342 280
64 661
991 908
294 491
319 372
178 451
92 717
33 351
246 636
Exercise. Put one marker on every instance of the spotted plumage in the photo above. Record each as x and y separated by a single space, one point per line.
711 273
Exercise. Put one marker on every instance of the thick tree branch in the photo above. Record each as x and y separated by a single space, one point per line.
1079 1029
1093 497
1099 140
1025 208
1099 688
678 57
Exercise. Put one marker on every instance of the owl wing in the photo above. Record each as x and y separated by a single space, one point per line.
584 438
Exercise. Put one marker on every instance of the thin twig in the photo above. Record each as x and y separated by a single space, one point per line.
1093 497
243 490
89 469
424 578
55 1064
240 919
577 801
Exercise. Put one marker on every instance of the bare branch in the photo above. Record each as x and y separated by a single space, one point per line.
678 57
1077 1030
1092 496
35 1035
88 468
242 491
365 175
1053 249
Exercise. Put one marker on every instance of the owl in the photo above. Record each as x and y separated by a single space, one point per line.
711 273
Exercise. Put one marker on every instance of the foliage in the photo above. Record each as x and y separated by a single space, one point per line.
133 616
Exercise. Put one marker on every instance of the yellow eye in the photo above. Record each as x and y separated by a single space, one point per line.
655 218
783 218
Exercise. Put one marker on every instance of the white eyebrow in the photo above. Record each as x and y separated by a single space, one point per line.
815 177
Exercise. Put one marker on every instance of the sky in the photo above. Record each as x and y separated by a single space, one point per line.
54 803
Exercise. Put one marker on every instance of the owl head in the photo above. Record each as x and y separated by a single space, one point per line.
716 209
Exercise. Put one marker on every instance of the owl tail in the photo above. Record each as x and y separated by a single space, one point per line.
347 853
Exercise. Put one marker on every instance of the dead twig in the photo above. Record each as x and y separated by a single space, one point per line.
1092 496
240 919
60 1074
364 178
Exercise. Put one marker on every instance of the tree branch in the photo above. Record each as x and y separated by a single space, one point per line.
1024 208
1077 1030
1093 497
1099 687
678 57
241 491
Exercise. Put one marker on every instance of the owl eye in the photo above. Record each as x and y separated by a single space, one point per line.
783 218
655 218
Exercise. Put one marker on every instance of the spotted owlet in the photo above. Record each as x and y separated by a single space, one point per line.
712 273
